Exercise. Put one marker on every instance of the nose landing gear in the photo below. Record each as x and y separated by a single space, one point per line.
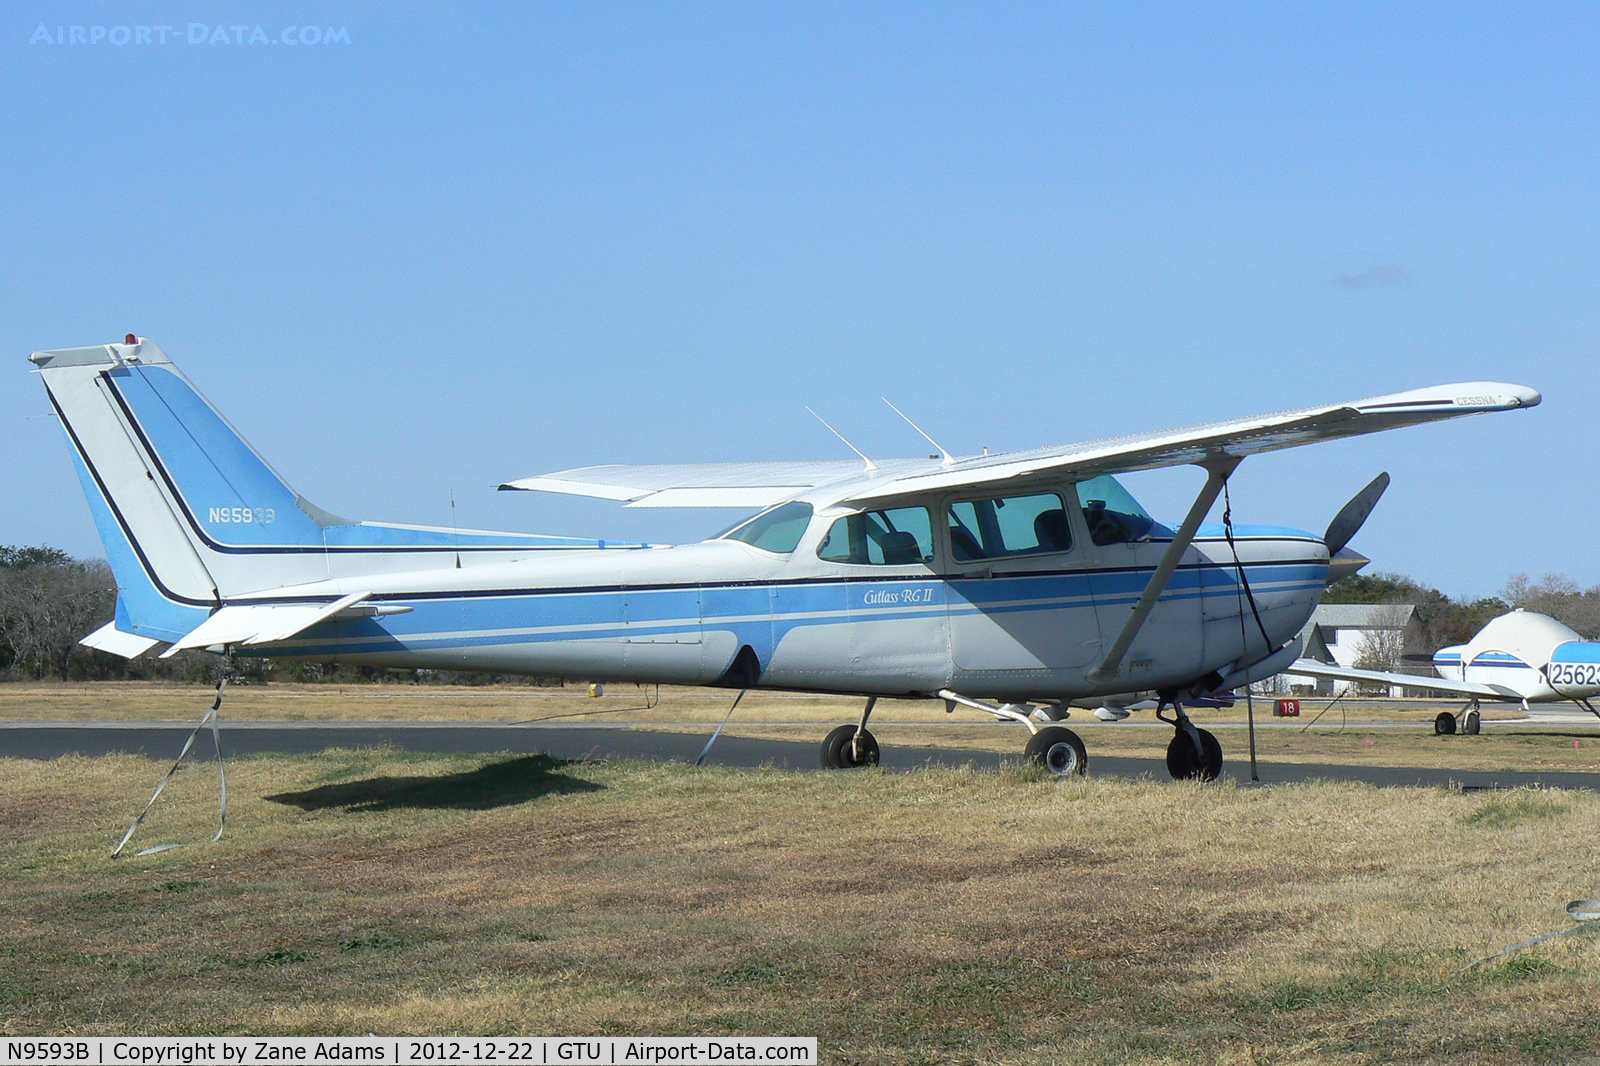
1470 722
1193 753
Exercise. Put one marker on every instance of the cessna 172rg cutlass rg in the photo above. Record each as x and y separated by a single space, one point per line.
991 582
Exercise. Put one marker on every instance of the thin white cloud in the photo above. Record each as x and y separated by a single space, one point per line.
1378 277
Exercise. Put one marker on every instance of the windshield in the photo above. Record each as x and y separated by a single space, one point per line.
1113 515
778 530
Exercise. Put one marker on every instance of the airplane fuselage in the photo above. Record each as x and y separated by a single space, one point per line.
1528 655
727 612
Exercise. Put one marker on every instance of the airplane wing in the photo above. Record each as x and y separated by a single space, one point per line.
764 484
694 484
1237 438
1312 668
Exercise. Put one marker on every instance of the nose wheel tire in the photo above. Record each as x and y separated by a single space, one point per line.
1184 763
1059 751
1444 725
839 753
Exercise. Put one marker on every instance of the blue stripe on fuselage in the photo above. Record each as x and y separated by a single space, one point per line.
760 614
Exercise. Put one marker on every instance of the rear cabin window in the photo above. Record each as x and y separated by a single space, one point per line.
900 536
778 530
1006 526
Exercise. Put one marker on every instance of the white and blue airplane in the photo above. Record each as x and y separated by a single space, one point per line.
1520 657
992 582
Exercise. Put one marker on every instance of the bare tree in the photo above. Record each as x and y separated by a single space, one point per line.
1384 646
46 607
1558 596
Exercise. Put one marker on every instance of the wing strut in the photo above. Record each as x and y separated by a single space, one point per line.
1218 471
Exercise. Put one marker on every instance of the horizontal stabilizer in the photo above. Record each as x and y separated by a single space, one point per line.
1328 672
262 623
111 639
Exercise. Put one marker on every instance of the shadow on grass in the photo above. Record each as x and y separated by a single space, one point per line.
500 784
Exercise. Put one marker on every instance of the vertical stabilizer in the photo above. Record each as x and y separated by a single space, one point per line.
192 516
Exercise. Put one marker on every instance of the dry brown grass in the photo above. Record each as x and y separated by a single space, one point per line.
1336 738
160 701
935 916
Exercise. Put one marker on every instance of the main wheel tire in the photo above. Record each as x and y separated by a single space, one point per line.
838 753
1210 757
1444 725
1058 750
1471 724
1184 763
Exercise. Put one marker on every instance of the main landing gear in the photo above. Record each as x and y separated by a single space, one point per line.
851 746
1058 750
1054 748
1192 752
1471 723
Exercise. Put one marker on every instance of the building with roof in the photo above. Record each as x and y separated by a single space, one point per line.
1364 636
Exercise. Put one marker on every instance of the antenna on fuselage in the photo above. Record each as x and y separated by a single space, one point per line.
872 467
946 459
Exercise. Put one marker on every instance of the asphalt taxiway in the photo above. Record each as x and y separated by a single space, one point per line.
50 740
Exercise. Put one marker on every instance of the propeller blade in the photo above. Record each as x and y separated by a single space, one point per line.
1352 515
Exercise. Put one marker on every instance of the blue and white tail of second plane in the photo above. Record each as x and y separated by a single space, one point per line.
1520 657
192 517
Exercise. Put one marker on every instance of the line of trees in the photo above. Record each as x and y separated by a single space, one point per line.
48 601
1445 621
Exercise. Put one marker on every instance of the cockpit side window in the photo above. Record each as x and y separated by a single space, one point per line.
778 530
898 536
1012 525
1113 516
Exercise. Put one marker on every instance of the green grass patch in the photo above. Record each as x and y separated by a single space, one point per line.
1511 811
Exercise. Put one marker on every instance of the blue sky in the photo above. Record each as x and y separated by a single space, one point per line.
479 242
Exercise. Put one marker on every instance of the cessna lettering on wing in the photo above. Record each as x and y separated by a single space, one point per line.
244 515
